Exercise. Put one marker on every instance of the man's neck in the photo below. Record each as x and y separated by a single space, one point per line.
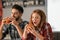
19 20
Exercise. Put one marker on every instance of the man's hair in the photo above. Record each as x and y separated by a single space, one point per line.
18 7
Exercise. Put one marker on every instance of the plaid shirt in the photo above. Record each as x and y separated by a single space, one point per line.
12 30
45 31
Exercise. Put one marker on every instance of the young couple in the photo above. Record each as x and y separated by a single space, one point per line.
36 29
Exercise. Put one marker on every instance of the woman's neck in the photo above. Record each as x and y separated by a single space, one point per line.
37 29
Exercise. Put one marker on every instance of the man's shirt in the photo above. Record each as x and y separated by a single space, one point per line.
10 29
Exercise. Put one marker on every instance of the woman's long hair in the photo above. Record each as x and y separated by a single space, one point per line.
42 15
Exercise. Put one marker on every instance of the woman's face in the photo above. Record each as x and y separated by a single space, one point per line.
36 19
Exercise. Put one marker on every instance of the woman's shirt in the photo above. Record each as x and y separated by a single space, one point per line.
45 31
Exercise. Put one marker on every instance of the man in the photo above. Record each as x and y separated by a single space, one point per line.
15 28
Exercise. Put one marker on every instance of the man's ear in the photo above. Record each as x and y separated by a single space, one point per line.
21 14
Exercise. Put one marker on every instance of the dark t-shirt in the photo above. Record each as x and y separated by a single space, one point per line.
12 30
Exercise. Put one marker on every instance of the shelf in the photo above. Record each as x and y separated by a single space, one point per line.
24 3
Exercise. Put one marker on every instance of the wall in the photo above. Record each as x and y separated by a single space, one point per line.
27 11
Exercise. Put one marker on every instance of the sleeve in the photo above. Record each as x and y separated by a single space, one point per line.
4 31
23 38
48 34
24 24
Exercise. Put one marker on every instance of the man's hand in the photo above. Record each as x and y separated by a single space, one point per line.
15 23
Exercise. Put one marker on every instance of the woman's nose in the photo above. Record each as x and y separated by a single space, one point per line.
34 19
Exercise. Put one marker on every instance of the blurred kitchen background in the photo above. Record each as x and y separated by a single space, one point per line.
29 6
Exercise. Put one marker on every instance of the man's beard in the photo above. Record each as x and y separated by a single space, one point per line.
16 18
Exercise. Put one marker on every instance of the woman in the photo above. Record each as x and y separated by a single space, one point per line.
38 28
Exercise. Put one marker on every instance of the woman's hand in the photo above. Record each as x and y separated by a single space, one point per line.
33 31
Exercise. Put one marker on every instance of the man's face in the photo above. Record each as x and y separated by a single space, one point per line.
16 14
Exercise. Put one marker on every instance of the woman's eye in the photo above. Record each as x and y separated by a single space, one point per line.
36 17
32 17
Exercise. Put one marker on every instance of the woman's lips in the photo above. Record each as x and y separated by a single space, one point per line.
35 22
